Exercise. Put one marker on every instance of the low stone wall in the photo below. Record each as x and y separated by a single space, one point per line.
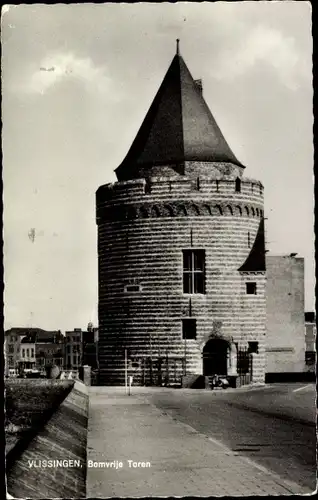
29 404
193 381
54 463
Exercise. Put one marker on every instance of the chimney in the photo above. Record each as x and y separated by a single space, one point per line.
199 85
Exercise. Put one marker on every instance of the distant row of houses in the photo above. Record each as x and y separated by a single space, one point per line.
37 348
27 348
310 338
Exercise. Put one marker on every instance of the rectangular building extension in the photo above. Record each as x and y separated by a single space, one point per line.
285 322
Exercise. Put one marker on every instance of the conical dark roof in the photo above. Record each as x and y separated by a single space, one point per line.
256 258
178 127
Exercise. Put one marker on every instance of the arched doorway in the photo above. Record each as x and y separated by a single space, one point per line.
215 356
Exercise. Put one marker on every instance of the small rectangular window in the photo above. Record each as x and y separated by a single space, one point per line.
253 347
193 271
238 185
189 328
147 186
132 288
251 288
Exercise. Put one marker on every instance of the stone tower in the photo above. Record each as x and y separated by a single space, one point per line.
181 251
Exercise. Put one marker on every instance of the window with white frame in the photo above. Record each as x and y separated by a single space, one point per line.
193 271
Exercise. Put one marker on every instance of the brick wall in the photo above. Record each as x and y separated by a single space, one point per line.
64 437
141 235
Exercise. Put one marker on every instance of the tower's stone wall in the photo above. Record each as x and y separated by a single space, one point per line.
143 226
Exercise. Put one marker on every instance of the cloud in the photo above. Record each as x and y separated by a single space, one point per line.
59 67
270 46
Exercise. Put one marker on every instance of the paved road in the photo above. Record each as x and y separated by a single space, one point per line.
197 445
273 425
287 401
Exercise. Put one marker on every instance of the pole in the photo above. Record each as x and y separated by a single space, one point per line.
150 340
167 366
185 356
129 387
126 371
159 364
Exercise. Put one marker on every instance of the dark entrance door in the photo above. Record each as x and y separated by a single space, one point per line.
215 354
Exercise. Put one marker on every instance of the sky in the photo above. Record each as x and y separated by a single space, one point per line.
66 129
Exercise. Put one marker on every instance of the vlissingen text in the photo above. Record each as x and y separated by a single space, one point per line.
117 464
67 463
43 464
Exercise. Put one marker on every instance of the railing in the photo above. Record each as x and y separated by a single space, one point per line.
157 371
244 366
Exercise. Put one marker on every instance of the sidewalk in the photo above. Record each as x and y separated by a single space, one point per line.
183 462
